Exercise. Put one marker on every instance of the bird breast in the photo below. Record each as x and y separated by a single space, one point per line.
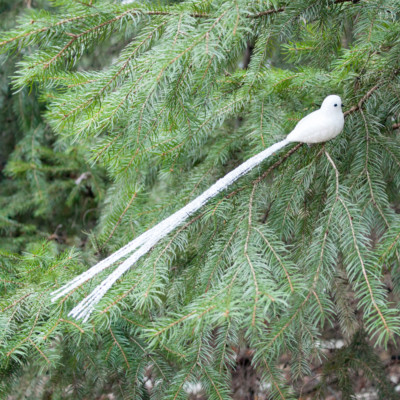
317 127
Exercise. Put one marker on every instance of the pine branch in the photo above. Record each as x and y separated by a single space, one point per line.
389 332
156 102
362 101
282 9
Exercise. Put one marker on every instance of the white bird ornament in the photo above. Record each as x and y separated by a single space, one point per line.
319 126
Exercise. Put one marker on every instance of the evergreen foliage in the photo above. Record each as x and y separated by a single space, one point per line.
47 186
300 245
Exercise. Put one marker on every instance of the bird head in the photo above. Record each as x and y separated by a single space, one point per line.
332 103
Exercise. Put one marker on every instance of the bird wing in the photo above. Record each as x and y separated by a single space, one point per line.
306 120
313 128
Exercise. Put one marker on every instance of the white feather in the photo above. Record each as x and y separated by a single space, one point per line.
319 126
149 238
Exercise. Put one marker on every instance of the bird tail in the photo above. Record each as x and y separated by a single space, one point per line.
148 239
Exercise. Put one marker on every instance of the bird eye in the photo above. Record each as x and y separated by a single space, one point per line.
335 105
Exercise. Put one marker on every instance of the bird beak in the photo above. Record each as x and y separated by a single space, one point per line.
342 105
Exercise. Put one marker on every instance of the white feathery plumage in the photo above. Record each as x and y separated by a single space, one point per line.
319 126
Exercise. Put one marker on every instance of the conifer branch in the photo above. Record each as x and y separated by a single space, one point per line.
122 296
278 163
130 11
393 156
44 29
29 334
178 321
81 330
228 243
84 33
287 208
168 246
133 197
268 171
120 348
12 282
211 380
146 353
115 76
374 202
172 113
362 100
289 322
273 379
46 336
17 301
246 253
282 9
318 271
267 12
350 219
190 370
225 347
395 240
277 258
39 351
191 46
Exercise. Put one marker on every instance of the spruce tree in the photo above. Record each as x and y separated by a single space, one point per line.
47 187
305 245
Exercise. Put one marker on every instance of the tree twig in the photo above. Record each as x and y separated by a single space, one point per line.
396 126
282 9
279 162
362 101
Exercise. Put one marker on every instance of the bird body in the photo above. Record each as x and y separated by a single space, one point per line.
319 126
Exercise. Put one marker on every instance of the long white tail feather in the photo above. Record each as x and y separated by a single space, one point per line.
149 238
102 265
85 307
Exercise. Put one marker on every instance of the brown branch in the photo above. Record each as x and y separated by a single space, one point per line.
277 258
46 28
120 348
122 296
279 162
267 12
14 283
145 12
16 302
194 15
72 323
246 254
119 220
282 9
40 351
364 271
362 101
264 175
396 126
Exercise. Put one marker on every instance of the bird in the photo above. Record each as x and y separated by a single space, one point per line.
317 127
321 125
